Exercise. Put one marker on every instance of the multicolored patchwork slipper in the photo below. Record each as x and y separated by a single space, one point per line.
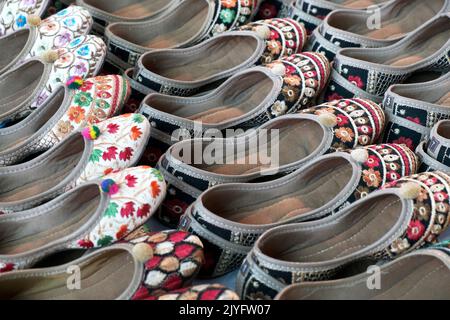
93 215
14 14
374 70
413 110
30 85
398 281
315 132
230 218
284 87
96 151
52 33
96 100
207 292
353 28
415 211
185 25
287 37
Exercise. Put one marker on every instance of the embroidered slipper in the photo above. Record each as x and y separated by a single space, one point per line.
399 281
28 86
428 163
415 212
310 22
437 148
286 86
58 5
14 13
323 187
413 110
113 144
207 292
52 33
190 22
67 110
353 123
350 28
120 272
374 70
287 37
92 215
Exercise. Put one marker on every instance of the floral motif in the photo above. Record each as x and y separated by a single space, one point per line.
357 81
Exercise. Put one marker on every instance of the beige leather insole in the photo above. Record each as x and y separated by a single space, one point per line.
106 277
445 100
24 236
179 32
216 59
29 183
141 8
11 47
378 219
422 50
246 101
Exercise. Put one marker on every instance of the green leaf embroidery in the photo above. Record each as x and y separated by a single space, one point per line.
137 118
157 174
105 241
96 155
112 210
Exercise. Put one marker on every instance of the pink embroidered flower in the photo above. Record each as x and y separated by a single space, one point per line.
87 244
113 128
127 210
415 230
7 267
372 162
392 176
131 181
126 154
342 120
440 196
334 96
357 81
406 141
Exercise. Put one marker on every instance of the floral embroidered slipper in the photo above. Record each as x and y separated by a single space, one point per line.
92 215
374 70
435 152
324 129
67 110
264 94
28 86
320 189
185 25
399 281
349 28
413 110
52 33
207 292
312 12
415 212
14 13
114 144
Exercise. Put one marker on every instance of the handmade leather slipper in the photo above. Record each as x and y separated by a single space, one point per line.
317 131
84 156
96 100
28 86
386 225
350 28
230 218
185 25
412 110
92 215
263 94
52 33
14 13
403 279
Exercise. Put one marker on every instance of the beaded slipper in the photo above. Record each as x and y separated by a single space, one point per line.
401 280
52 33
320 189
111 145
374 70
415 211
350 29
92 215
246 100
28 86
317 131
412 110
189 23
14 14
96 100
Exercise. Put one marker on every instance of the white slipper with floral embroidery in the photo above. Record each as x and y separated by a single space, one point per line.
52 33
67 110
28 86
84 156
14 13
93 215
